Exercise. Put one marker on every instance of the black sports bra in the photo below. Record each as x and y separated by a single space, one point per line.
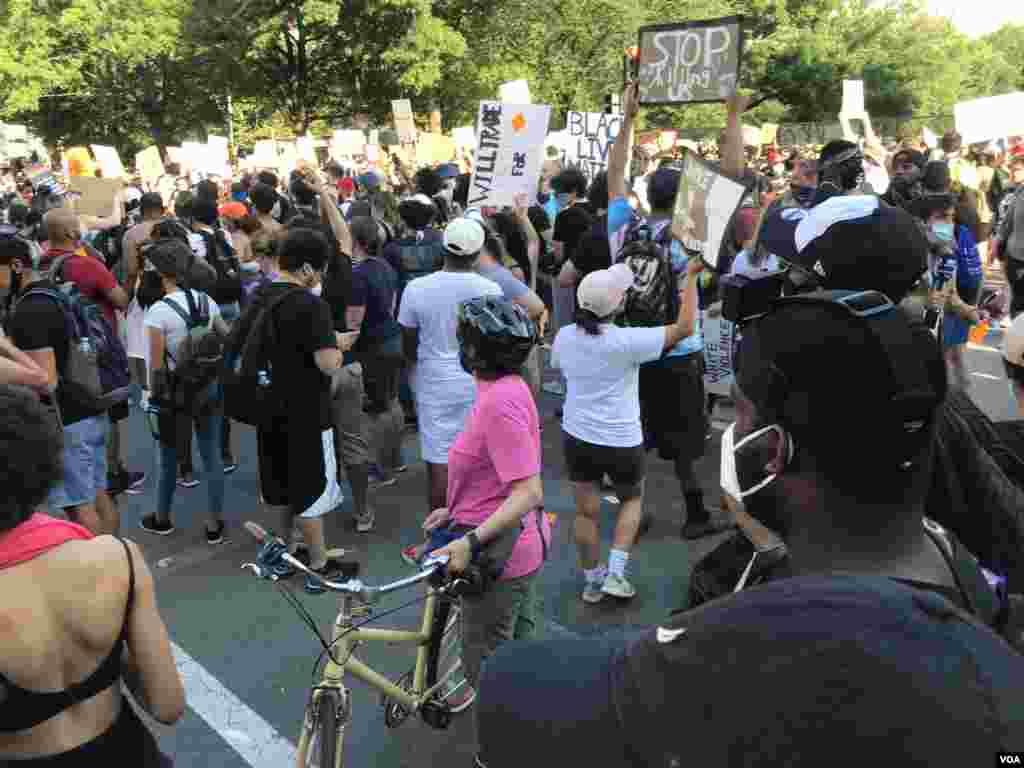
21 709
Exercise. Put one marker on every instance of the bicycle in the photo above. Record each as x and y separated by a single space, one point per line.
425 689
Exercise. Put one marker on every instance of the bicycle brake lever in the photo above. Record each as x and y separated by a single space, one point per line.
260 572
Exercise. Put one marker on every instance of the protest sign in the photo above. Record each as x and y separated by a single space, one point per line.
515 92
149 165
769 132
217 156
372 153
80 162
719 348
591 136
690 62
108 161
350 142
465 137
15 133
995 117
705 203
509 152
434 148
853 98
306 150
404 124
374 137
795 134
96 196
929 138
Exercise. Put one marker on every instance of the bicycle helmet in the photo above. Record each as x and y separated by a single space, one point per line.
494 334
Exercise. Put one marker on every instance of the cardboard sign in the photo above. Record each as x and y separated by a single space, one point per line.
108 161
995 117
591 136
149 165
509 152
434 148
96 195
80 162
696 61
515 92
793 134
719 350
853 98
704 205
350 142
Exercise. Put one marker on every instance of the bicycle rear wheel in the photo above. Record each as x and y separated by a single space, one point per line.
325 732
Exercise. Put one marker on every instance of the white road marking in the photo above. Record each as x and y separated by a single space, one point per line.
986 376
253 738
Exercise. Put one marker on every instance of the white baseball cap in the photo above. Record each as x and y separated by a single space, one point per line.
464 237
1013 343
601 292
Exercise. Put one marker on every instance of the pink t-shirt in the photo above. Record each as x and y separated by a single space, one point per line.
499 445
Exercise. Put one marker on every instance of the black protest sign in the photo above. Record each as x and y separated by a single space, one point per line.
796 134
690 62
592 135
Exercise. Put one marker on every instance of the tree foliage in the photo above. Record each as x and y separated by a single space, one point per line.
134 72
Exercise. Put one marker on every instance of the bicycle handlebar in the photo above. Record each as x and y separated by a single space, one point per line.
274 549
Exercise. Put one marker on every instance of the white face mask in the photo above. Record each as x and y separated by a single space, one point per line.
317 289
729 479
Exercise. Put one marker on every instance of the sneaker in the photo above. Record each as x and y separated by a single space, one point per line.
217 536
411 555
400 469
706 528
365 523
229 466
135 482
592 592
188 481
618 586
117 484
459 696
152 525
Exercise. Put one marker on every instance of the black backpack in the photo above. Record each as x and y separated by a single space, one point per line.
248 373
222 257
198 359
653 300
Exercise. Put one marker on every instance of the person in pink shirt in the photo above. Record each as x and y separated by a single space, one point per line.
495 494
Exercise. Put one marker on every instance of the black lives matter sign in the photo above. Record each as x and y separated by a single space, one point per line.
689 62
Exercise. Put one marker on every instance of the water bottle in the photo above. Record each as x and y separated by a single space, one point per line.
85 346
263 379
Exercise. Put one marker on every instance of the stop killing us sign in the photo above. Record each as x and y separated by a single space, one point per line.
690 62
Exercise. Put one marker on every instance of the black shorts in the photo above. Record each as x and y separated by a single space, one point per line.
589 463
673 407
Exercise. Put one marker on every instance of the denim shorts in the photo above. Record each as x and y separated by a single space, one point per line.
85 463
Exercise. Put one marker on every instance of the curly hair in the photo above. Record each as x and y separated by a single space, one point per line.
31 442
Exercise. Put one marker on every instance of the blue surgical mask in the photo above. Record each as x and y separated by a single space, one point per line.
563 199
944 231
805 195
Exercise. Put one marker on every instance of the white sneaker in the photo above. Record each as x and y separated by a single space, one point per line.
617 586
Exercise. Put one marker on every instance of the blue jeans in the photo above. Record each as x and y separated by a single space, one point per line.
208 435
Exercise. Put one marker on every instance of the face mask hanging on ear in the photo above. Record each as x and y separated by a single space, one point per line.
730 480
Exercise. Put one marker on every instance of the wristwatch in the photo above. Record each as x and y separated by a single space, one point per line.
474 543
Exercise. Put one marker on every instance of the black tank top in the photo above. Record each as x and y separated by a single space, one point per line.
21 709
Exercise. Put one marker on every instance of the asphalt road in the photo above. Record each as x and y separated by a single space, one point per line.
247 659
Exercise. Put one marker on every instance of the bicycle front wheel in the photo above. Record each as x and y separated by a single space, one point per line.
324 732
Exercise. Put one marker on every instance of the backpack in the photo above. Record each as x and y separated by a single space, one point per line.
248 373
109 244
199 355
653 299
222 257
418 257
96 373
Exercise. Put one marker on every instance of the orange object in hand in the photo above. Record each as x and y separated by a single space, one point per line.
978 332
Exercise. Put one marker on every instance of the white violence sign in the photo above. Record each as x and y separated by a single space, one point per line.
995 117
509 152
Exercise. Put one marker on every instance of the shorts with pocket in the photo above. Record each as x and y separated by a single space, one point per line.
673 407
85 463
589 463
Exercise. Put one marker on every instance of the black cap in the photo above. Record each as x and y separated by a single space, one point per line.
801 672
151 201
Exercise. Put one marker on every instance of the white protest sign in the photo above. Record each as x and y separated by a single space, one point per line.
149 165
991 118
705 203
929 138
515 92
306 150
509 152
853 98
351 142
464 137
404 123
15 132
217 155
591 136
108 160
374 137
719 347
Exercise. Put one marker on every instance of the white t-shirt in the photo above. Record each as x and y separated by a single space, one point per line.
198 245
175 330
430 304
602 373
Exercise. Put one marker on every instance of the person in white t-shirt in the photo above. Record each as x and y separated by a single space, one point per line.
166 328
444 391
601 418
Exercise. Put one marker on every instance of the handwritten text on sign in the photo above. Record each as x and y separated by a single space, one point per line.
591 135
690 62
510 143
719 346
